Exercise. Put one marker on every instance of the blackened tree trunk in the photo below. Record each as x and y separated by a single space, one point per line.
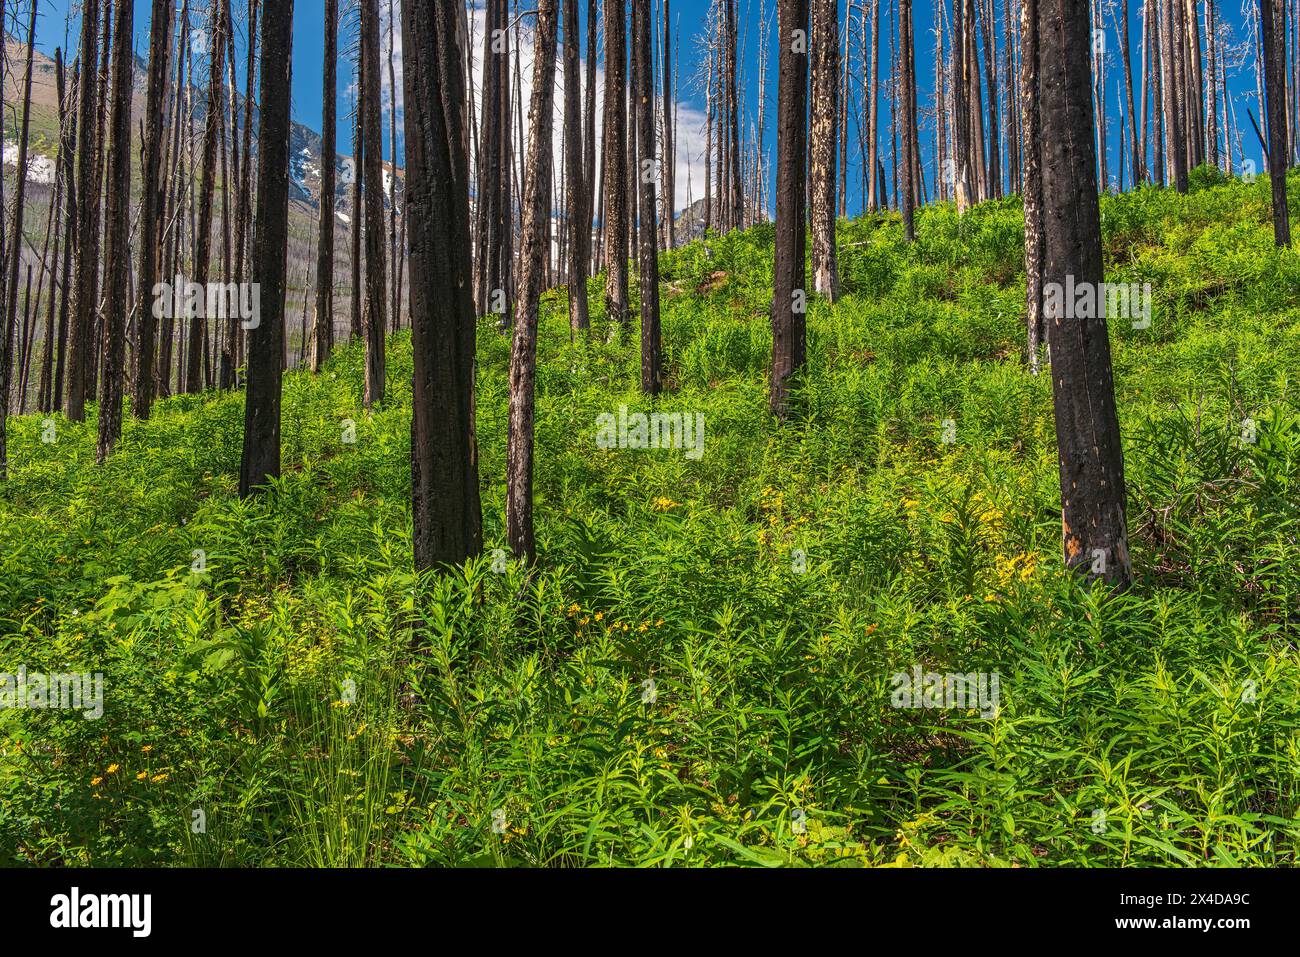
1137 154
1094 534
323 332
358 214
961 106
735 197
1272 26
87 274
648 235
374 316
575 187
151 203
907 49
67 157
446 513
669 179
394 251
1031 135
197 327
101 144
261 457
589 134
873 110
9 320
1175 138
825 92
495 231
117 259
523 349
45 395
243 197
788 294
988 35
615 163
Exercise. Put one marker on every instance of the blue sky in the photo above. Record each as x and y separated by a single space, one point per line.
690 15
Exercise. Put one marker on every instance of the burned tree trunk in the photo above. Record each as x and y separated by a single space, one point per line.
825 91
7 325
260 463
788 294
1031 136
1273 41
87 274
151 203
910 145
1094 534
117 259
873 111
669 179
323 331
203 239
648 235
495 230
615 164
358 185
589 137
575 190
373 317
446 514
1175 139
523 349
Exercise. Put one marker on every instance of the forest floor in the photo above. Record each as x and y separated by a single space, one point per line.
706 668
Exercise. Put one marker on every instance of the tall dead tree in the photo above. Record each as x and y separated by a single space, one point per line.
117 259
4 296
244 195
589 136
911 146
1094 532
260 463
873 111
323 331
216 45
615 163
669 179
735 201
395 253
1137 155
1031 136
648 237
575 169
358 217
152 186
961 107
523 348
789 298
1175 136
446 513
1272 22
45 397
825 109
9 320
495 229
374 316
86 286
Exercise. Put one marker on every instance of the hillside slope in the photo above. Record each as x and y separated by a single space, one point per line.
703 670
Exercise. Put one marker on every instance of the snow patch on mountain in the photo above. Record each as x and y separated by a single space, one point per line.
40 168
